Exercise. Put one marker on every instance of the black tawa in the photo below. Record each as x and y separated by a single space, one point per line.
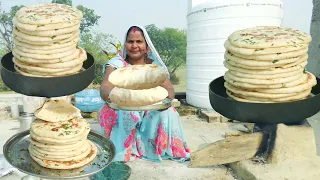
289 113
46 87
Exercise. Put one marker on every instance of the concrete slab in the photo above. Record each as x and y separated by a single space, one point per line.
288 170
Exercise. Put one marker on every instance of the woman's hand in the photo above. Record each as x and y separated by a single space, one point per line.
168 86
106 86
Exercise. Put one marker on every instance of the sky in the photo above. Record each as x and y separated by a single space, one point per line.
118 15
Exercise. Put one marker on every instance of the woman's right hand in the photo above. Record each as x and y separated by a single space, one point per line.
106 86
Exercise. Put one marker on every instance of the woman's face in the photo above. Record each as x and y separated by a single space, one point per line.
136 45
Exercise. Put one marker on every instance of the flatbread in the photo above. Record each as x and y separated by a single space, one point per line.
56 111
43 52
69 164
47 43
44 56
138 76
244 85
273 57
263 81
52 46
267 37
134 98
47 61
31 67
312 81
263 76
263 51
47 13
276 70
250 99
71 71
44 27
57 147
50 33
256 63
246 92
44 39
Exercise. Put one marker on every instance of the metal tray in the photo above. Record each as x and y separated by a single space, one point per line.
165 104
16 153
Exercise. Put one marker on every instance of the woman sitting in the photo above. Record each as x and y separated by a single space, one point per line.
153 135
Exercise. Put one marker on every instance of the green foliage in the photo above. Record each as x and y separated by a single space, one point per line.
89 19
98 44
171 45
67 2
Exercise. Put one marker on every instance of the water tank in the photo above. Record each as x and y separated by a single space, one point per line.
209 25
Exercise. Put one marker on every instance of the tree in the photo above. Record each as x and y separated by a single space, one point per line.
67 2
171 45
97 43
314 47
6 27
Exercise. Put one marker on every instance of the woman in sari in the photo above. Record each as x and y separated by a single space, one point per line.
153 135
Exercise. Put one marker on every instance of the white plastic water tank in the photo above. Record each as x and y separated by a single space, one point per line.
209 25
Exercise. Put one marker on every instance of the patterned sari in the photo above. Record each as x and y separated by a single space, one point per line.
153 135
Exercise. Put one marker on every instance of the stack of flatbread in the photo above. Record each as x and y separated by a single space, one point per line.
59 137
138 85
45 38
267 64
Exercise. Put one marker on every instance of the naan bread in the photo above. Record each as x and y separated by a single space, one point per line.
67 164
47 13
52 46
263 76
43 52
267 37
47 61
276 70
133 98
50 33
57 147
262 51
245 85
67 72
58 110
138 77
44 56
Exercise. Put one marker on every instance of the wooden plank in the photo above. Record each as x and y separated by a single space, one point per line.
229 150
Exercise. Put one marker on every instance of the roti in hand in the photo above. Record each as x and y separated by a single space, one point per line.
138 77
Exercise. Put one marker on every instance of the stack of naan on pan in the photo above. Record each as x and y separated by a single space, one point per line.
138 85
45 37
59 137
267 64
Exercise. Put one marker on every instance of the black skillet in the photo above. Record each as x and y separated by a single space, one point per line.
263 113
46 87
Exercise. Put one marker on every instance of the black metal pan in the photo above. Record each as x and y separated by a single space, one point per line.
46 87
263 113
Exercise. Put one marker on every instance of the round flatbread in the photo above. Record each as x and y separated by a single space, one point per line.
276 70
44 27
31 67
68 164
52 46
47 61
44 52
134 98
51 33
138 76
273 57
267 37
44 56
44 39
244 85
262 51
47 13
71 71
256 63
57 111
250 99
269 76
57 147
263 81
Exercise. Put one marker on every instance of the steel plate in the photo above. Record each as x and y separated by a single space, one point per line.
16 153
